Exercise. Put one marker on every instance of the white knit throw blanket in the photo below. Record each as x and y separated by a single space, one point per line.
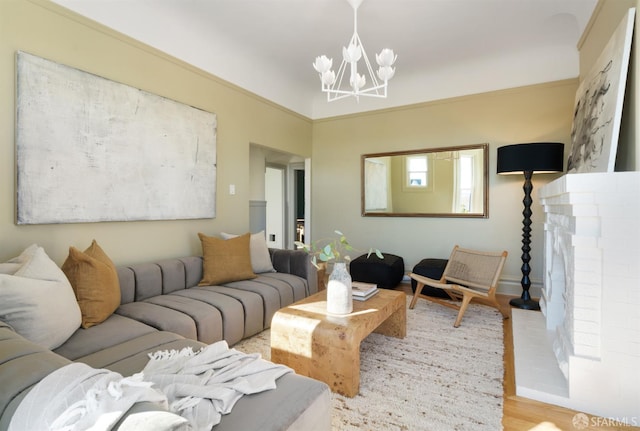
203 386
199 386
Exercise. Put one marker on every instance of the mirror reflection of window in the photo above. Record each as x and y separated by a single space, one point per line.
464 169
417 171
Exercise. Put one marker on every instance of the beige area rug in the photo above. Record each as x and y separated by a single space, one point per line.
437 378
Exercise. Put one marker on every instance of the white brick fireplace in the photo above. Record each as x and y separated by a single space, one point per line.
583 350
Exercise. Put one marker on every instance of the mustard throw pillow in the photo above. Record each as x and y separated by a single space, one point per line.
258 250
95 282
225 260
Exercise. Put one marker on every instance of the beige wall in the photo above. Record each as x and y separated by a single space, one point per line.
527 114
535 113
49 31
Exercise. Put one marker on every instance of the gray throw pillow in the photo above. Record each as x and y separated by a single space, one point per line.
37 300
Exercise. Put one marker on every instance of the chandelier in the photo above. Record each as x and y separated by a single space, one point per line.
332 83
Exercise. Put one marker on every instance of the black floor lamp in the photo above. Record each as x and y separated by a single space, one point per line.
538 157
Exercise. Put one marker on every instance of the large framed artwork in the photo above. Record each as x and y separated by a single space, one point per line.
598 106
89 149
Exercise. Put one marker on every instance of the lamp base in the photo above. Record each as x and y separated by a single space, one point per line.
525 304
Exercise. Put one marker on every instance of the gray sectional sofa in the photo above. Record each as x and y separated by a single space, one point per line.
162 308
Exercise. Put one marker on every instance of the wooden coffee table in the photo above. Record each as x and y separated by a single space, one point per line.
327 347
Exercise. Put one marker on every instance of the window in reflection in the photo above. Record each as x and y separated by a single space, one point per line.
417 171
464 171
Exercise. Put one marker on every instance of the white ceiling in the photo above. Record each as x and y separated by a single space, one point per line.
445 48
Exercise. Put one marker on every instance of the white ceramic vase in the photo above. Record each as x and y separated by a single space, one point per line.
339 299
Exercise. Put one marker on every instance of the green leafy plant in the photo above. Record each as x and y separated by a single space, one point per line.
332 249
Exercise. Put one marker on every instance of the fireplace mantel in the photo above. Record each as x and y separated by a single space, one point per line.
590 301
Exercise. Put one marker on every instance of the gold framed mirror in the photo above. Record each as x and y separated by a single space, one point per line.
433 182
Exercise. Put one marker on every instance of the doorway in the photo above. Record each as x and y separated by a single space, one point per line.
274 192
280 196
299 201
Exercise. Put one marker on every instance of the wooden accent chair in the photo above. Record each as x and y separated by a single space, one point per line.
469 274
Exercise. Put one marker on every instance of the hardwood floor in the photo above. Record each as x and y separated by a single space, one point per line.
523 414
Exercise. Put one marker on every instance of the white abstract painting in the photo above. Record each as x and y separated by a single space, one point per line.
89 149
598 107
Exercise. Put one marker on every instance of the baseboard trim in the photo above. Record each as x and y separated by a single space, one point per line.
512 286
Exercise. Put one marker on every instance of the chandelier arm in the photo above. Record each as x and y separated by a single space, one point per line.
333 96
372 75
340 94
338 82
373 91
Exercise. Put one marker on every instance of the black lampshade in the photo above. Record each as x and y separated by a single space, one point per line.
535 157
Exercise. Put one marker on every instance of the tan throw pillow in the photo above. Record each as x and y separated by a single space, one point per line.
225 260
258 250
95 282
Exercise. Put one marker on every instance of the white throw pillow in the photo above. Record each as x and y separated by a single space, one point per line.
9 267
260 258
37 299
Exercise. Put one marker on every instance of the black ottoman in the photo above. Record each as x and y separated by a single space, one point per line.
432 268
386 273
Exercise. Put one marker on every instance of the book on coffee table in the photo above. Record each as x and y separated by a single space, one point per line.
365 297
360 288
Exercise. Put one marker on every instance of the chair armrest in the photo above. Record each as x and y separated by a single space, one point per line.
440 284
295 262
470 290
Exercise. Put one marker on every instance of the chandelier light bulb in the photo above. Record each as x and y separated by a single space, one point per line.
322 64
385 73
386 58
358 82
328 78
352 54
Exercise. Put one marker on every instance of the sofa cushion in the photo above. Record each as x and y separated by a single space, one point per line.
270 296
231 310
37 300
119 357
95 281
207 318
294 397
252 307
225 260
299 287
295 262
22 365
147 281
277 290
160 317
260 258
193 270
115 330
